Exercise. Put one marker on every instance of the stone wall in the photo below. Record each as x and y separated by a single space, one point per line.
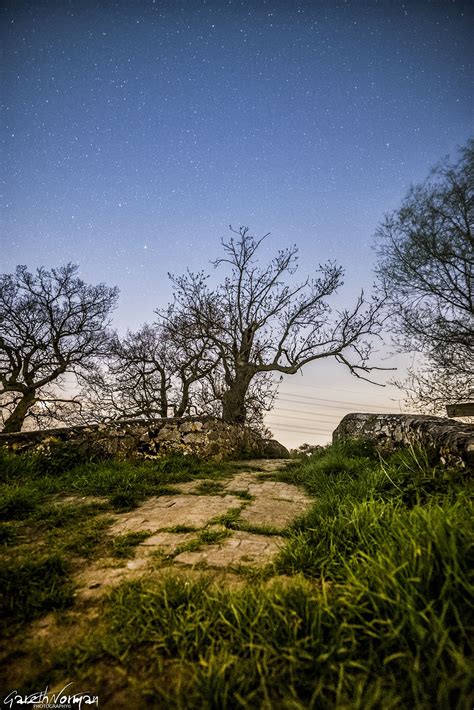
446 441
204 437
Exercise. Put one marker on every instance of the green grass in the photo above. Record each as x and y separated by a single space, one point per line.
243 494
28 479
123 546
368 605
245 526
181 529
203 538
230 519
19 501
30 588
84 540
209 488
72 529
293 645
8 534
213 537
56 515
358 509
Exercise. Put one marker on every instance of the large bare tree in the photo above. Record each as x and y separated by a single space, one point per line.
51 324
260 321
426 265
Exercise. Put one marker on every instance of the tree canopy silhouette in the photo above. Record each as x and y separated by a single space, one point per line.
145 375
260 321
51 323
426 266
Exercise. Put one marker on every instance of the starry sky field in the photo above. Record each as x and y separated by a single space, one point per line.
134 132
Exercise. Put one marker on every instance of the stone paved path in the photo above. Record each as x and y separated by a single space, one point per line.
187 529
169 511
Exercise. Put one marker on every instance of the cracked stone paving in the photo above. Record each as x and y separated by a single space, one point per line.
188 530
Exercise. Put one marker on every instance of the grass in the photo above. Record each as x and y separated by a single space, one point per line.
28 480
217 488
213 537
19 501
294 645
268 530
204 537
8 534
83 540
368 606
209 488
239 493
123 546
181 529
358 509
230 519
30 588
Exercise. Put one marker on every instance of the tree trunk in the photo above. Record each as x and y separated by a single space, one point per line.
183 405
233 400
15 421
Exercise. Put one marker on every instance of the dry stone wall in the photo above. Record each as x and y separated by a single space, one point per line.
447 441
204 437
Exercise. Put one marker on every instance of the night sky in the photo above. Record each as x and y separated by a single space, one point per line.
134 133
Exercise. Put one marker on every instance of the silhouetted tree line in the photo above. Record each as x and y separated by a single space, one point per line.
218 350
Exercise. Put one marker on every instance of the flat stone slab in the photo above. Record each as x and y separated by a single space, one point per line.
268 465
267 489
241 548
104 573
169 511
275 503
271 513
97 578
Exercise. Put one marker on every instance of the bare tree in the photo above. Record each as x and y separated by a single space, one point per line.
147 375
131 382
426 265
259 322
429 388
193 364
51 324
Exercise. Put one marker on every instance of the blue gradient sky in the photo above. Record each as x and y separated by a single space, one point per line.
133 133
